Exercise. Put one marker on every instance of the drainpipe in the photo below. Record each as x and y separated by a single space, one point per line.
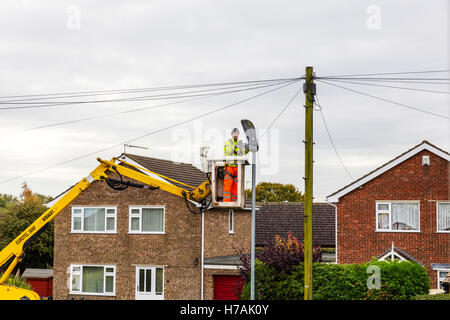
335 228
203 254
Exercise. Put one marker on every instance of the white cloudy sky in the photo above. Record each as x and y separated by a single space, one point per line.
135 44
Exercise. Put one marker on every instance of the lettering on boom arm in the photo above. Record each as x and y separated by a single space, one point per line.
48 215
27 233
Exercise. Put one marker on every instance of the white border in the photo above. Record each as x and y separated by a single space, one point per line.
82 219
437 215
390 215
130 207
437 275
108 294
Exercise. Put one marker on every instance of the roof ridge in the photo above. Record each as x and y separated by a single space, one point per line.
386 163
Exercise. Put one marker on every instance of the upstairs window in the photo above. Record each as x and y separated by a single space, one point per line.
443 216
94 219
231 221
397 216
146 220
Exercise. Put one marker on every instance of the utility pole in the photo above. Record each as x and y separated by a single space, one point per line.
309 88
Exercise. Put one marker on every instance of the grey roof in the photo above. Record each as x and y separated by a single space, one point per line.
38 273
224 260
279 218
183 172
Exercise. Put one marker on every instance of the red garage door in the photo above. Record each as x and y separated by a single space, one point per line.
226 287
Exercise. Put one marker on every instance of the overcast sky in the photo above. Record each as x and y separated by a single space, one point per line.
72 46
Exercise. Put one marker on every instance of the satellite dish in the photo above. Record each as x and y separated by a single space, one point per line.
250 132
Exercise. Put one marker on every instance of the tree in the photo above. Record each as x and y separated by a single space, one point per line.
18 216
275 192
6 200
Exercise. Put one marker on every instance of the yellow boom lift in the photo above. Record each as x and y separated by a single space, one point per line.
12 254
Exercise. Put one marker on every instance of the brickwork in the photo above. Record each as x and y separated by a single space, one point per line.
357 238
178 249
218 242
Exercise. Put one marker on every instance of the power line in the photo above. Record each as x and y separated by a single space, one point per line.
393 87
117 91
380 78
386 73
140 98
281 112
151 133
390 81
122 112
331 139
387 100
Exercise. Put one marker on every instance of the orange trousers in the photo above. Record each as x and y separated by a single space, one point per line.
230 184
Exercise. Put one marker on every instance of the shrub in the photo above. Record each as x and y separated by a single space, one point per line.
282 254
18 282
399 280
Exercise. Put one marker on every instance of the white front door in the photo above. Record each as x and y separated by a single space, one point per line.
149 283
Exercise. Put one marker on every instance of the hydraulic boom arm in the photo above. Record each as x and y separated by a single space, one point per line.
12 254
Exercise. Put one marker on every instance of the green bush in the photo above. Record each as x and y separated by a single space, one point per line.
18 282
398 281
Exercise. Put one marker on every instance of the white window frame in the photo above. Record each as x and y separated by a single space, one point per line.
438 278
437 217
130 215
107 215
231 222
389 202
80 273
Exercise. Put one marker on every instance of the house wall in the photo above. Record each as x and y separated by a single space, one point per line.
218 242
177 249
357 238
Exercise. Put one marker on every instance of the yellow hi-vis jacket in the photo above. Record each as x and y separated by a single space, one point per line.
234 148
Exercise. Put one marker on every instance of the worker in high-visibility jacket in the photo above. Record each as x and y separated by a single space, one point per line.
233 147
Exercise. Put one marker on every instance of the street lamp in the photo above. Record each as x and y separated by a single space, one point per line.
253 147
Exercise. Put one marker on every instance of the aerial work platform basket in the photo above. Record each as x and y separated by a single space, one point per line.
215 168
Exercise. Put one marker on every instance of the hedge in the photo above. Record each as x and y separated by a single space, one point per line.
398 281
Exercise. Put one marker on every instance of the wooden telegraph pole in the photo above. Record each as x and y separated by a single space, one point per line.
309 88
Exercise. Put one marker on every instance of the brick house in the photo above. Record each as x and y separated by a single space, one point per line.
145 244
399 211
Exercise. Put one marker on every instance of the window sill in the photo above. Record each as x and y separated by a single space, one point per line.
442 231
136 232
94 232
92 294
399 231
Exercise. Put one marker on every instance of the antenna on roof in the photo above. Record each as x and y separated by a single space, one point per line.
125 146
